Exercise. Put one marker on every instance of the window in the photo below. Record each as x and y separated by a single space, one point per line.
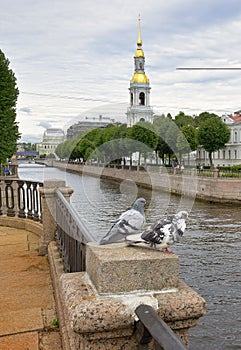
142 99
235 136
131 99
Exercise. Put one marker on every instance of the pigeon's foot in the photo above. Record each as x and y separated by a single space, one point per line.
166 251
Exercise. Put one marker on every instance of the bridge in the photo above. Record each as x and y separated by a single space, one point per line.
100 300
27 154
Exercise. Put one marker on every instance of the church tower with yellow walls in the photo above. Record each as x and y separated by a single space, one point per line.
139 109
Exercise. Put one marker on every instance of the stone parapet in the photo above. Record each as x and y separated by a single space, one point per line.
115 268
91 319
24 224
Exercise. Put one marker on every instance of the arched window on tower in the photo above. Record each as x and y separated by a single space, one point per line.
142 99
235 136
131 99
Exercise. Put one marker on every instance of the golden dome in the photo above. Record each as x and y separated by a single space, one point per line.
139 53
140 78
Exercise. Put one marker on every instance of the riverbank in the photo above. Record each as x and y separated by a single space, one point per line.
213 189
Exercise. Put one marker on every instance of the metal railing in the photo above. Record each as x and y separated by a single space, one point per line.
151 328
20 198
71 235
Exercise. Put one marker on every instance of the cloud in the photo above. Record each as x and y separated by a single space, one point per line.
31 138
61 50
44 124
26 110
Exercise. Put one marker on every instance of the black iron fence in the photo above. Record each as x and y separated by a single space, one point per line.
71 236
20 198
152 329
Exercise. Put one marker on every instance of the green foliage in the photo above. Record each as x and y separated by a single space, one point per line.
162 124
203 117
55 322
8 98
64 150
146 136
212 135
182 120
84 149
167 137
189 131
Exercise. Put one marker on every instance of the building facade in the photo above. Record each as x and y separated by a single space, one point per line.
231 153
51 138
139 108
87 125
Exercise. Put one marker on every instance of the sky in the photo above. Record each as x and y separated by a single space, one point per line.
74 59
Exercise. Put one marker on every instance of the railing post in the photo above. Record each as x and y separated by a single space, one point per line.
21 199
9 198
49 210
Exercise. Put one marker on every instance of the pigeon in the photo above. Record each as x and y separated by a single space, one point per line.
165 232
128 223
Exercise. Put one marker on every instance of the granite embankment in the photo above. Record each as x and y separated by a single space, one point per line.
213 189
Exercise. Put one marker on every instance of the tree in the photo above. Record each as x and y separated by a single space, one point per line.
190 134
162 124
84 149
202 117
8 98
212 135
146 136
182 119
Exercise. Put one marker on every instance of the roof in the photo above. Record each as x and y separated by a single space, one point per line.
236 118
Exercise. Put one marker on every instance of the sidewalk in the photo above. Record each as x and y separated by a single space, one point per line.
27 307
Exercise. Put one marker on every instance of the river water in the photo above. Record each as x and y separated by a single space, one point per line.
209 254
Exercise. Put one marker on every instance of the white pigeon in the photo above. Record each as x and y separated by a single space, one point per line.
165 232
128 223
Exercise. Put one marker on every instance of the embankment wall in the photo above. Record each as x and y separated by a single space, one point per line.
213 189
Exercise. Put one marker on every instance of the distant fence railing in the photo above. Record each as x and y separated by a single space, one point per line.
162 169
20 198
151 327
71 235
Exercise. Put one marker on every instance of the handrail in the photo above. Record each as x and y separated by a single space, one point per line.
82 227
151 326
72 235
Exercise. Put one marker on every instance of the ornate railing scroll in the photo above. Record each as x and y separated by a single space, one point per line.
151 327
71 236
20 198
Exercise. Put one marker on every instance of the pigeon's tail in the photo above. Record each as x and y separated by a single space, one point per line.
112 236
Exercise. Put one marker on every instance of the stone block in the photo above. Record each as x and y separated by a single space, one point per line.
116 268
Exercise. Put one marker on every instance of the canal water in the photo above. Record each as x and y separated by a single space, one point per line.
209 254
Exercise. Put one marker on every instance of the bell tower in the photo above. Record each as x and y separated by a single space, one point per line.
139 109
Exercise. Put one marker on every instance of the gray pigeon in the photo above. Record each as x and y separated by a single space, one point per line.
128 223
165 232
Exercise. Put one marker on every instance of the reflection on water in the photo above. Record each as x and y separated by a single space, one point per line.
209 254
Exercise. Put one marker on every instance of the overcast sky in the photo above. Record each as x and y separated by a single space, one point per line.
75 58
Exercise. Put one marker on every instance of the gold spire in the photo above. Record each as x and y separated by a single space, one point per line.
139 51
139 41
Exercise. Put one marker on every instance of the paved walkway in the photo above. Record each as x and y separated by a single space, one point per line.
27 307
